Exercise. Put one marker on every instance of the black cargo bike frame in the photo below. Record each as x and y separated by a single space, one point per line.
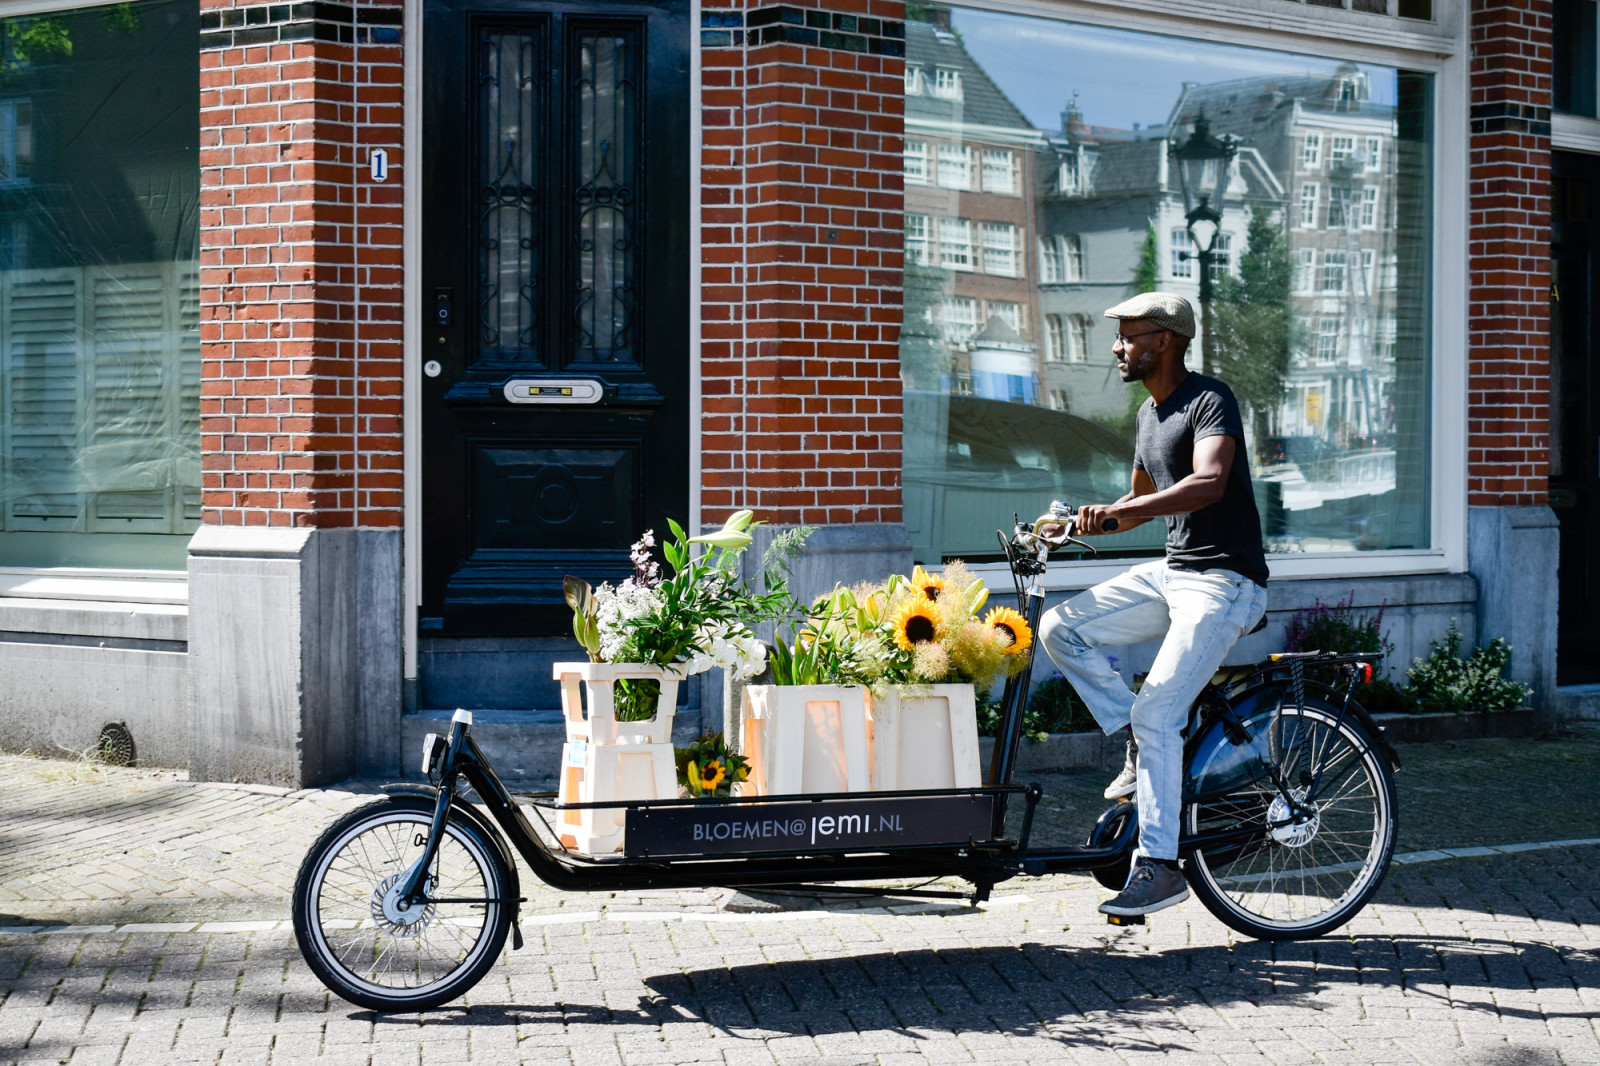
1274 760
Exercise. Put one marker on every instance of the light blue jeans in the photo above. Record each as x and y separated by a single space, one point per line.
1201 617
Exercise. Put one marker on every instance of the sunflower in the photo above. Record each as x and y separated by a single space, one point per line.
916 622
712 775
929 585
1014 626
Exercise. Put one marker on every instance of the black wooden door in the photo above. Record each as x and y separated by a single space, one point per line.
555 301
1575 411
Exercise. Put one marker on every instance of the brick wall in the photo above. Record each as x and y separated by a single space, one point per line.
801 250
300 263
1509 323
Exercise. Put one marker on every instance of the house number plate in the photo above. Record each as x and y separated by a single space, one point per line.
801 827
546 390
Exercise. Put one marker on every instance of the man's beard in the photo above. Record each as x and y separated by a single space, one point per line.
1139 367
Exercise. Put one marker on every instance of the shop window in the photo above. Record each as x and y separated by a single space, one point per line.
1328 358
99 287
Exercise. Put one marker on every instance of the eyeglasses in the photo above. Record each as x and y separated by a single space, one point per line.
1124 338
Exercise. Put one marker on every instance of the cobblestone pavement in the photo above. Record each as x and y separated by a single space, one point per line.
158 909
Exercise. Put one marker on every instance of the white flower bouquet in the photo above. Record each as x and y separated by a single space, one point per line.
694 619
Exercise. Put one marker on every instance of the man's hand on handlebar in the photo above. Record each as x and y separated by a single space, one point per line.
1097 518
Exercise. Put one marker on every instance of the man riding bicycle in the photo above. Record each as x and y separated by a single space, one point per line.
1189 467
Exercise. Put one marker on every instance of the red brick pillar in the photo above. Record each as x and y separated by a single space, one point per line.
1509 330
294 651
1513 541
801 253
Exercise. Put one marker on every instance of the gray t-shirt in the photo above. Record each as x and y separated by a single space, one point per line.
1224 535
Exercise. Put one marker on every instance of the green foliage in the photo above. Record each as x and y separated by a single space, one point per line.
123 19
1147 272
777 562
585 624
707 768
1343 630
1340 629
28 40
1250 324
1054 707
1446 682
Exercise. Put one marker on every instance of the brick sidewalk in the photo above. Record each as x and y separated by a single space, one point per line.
1489 961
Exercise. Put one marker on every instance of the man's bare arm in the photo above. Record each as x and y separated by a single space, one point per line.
1213 459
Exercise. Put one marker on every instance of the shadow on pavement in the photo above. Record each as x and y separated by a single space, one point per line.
1073 995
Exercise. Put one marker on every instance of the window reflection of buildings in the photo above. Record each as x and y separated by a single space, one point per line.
969 157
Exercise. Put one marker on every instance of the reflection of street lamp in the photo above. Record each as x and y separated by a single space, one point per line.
1203 164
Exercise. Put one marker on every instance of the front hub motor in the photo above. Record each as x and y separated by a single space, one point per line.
391 917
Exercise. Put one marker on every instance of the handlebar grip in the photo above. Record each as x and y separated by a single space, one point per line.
1109 525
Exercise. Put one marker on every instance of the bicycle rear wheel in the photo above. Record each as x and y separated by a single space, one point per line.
1289 881
366 948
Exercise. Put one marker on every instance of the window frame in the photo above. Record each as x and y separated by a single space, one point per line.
1439 49
1007 248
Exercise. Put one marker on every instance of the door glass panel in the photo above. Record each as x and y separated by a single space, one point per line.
605 207
99 286
508 220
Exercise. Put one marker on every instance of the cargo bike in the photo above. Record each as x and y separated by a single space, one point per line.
1288 829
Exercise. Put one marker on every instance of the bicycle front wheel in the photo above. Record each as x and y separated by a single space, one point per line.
372 952
1288 879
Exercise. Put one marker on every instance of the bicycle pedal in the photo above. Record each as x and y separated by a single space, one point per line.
1124 919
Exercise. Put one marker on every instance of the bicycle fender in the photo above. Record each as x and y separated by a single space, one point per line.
1369 725
482 822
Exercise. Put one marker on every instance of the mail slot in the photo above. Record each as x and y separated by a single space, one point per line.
545 390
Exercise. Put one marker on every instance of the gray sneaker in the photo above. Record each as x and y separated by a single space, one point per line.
1127 782
1151 887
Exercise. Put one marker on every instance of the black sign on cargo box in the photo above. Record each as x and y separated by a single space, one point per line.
807 826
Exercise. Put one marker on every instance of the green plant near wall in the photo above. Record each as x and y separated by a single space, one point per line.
1444 681
1344 630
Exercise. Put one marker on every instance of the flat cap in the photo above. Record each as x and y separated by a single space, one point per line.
1166 309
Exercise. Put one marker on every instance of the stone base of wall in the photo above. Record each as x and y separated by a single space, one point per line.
294 654
67 668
